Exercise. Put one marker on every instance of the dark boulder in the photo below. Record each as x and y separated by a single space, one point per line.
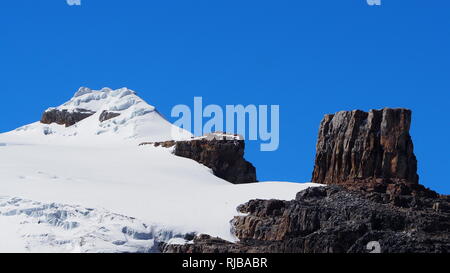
359 146
65 117
105 115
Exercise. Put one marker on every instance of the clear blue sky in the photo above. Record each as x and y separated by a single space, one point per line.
311 57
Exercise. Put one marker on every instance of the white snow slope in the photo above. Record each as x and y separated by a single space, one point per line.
91 188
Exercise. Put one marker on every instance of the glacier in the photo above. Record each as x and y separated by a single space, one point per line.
91 188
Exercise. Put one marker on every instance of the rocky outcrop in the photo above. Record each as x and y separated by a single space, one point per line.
333 219
105 115
164 144
65 117
368 152
225 156
359 147
373 198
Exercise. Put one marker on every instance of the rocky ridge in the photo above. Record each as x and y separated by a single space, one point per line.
65 117
373 196
332 220
224 155
364 148
105 115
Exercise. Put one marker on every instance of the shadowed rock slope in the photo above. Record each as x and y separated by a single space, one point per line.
332 220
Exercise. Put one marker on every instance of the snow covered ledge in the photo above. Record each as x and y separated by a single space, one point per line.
222 153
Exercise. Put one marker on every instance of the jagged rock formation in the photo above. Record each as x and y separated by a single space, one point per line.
333 220
105 115
373 195
359 147
65 117
224 156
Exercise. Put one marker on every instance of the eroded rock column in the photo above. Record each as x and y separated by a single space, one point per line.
360 146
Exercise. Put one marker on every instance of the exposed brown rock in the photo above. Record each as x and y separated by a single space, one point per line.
359 147
377 198
164 144
65 117
333 219
224 156
105 115
203 244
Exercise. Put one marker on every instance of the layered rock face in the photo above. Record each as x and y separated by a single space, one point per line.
373 195
224 156
333 220
65 117
360 149
105 115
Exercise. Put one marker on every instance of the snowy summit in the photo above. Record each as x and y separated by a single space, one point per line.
77 181
110 116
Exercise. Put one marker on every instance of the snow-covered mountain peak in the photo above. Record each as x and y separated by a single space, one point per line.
82 90
104 99
102 116
77 181
86 90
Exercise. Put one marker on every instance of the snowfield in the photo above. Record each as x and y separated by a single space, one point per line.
53 227
91 188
